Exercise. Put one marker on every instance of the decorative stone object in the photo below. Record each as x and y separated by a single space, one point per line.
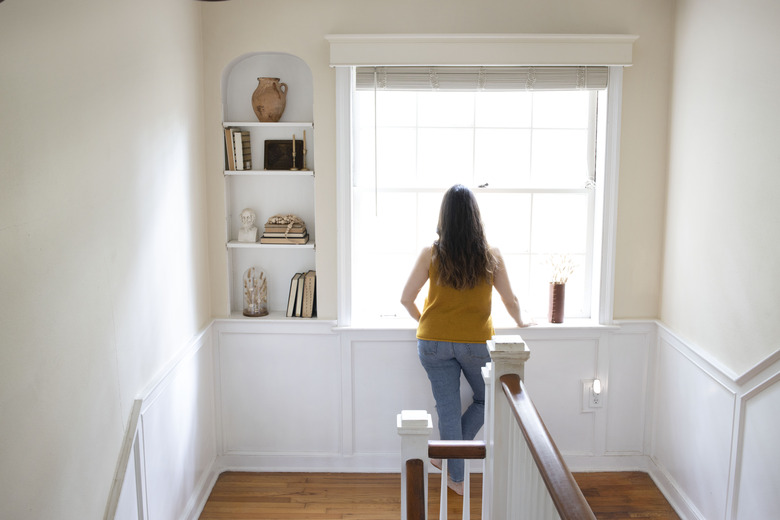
248 231
269 99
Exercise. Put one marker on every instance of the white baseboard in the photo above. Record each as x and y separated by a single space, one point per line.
374 463
676 497
593 464
202 491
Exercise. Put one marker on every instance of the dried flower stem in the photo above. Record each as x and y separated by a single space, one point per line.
562 267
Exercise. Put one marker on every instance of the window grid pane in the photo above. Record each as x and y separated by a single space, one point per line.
529 149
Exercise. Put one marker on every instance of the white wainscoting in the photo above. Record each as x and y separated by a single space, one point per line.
302 395
167 468
758 455
382 382
314 398
714 434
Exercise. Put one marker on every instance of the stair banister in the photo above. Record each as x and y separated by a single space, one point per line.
553 492
508 355
525 476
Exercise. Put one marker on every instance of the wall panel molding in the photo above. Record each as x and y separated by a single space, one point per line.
379 375
167 465
737 472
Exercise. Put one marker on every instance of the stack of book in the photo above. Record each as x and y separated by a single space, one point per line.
238 149
284 234
302 301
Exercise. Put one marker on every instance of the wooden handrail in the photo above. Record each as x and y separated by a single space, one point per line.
563 489
456 449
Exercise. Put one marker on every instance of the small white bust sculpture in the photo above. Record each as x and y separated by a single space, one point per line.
248 231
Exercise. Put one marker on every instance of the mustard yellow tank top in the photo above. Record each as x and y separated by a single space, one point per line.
461 316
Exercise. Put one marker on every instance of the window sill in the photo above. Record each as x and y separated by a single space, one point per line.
540 329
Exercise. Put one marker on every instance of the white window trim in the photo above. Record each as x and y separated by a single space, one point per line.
344 193
348 51
608 206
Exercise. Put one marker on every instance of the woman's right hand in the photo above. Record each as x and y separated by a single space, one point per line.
528 321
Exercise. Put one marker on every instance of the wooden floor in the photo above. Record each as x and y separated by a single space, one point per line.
372 496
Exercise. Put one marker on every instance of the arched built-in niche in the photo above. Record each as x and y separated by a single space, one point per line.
268 191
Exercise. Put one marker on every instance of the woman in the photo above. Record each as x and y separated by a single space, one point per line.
455 322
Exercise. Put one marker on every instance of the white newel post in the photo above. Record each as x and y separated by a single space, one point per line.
508 355
414 427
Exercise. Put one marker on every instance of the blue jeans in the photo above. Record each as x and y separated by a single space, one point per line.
444 361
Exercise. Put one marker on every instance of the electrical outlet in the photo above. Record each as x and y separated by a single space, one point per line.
591 400
595 399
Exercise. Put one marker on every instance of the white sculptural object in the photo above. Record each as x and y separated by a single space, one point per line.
248 231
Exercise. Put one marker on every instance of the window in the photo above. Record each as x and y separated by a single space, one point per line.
532 157
389 188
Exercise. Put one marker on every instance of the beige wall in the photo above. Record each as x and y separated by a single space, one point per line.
103 267
299 27
105 214
720 285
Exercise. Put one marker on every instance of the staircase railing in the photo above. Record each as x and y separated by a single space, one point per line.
524 473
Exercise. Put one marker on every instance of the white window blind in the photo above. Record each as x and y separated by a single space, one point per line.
487 78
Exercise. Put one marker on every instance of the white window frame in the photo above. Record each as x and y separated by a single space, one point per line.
614 51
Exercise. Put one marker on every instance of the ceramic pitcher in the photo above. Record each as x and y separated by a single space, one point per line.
269 99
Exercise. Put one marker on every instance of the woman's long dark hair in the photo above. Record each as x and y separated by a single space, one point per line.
462 251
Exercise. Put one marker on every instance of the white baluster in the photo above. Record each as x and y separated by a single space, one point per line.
443 495
466 490
487 475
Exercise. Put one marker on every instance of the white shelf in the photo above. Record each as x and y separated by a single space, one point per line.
291 124
235 244
269 173
276 316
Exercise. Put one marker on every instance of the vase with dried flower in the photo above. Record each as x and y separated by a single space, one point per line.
562 268
255 293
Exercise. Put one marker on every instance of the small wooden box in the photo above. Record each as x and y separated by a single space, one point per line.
278 154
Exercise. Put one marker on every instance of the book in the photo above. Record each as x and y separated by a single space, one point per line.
246 149
284 235
230 152
277 228
309 295
238 151
299 232
243 150
299 296
281 240
293 294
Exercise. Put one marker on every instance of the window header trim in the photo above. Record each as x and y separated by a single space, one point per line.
480 49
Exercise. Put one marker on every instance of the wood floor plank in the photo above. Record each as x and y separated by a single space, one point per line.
377 496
